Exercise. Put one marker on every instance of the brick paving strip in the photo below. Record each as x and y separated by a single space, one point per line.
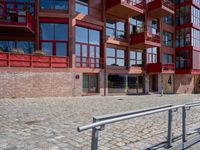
51 123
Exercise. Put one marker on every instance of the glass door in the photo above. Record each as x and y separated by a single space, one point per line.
90 83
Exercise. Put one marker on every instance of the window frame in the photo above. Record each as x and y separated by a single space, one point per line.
54 41
180 59
135 59
88 59
115 29
54 2
167 42
116 58
152 58
181 37
167 56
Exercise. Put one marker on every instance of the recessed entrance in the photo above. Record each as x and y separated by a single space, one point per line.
153 83
90 83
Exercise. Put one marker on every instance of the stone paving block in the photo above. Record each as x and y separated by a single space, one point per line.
51 123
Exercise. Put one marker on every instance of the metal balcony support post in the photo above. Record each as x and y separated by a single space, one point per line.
169 133
184 123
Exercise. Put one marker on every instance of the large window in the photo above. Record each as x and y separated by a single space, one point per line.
115 57
195 38
121 83
87 47
82 6
167 59
136 25
24 46
167 39
183 59
195 16
116 81
136 58
54 4
115 28
196 1
54 39
183 15
152 55
183 37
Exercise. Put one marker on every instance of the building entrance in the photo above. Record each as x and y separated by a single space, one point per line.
168 84
90 83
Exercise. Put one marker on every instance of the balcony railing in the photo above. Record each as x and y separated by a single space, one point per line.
127 8
89 62
16 14
160 8
168 67
159 67
136 3
168 4
140 35
28 60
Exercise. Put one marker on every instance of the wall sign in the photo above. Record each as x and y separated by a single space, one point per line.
77 76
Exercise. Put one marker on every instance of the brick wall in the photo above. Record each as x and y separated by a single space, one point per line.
184 83
42 83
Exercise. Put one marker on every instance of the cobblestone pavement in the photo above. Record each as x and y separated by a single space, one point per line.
51 123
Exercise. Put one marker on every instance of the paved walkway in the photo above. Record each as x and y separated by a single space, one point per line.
51 123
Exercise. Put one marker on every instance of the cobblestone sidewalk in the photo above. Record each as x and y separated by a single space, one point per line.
51 123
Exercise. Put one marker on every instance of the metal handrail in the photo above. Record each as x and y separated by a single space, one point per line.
130 112
100 122
110 121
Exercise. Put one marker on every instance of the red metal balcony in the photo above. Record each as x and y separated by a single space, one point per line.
125 8
15 20
26 60
145 40
168 68
160 68
89 62
160 8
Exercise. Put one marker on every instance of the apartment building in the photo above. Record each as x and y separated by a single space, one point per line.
99 47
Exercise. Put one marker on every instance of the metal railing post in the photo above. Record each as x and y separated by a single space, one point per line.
95 137
169 133
184 123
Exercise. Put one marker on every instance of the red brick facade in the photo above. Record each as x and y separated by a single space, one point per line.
147 32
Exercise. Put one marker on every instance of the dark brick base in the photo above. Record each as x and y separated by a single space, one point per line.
33 83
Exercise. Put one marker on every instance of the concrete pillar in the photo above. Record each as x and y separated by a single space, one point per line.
146 86
102 84
160 82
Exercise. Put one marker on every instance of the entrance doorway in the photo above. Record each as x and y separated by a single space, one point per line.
168 84
153 83
90 83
